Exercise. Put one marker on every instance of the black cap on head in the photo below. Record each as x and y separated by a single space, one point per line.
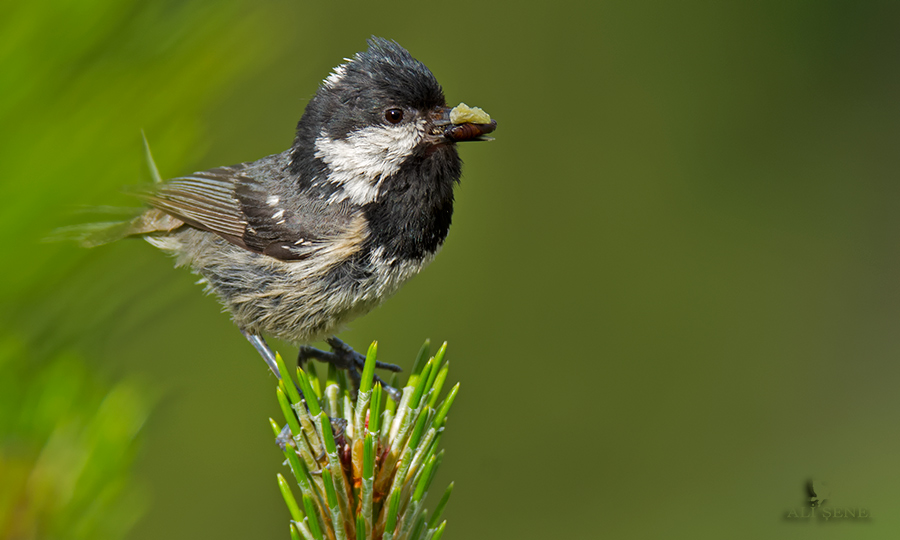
356 94
388 71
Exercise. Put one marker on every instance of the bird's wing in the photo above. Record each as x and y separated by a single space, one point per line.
247 212
204 200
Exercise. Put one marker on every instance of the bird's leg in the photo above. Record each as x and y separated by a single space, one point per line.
342 356
263 348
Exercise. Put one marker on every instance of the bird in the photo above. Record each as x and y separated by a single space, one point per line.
297 244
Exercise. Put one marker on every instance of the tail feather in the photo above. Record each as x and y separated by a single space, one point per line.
147 222
96 234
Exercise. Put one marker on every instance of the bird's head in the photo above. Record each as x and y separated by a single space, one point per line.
379 113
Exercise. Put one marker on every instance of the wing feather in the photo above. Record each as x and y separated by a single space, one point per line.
249 212
205 200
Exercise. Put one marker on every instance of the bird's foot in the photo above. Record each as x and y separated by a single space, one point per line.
342 356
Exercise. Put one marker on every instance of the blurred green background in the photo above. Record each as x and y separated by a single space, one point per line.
671 290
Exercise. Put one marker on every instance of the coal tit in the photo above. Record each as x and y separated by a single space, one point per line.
297 244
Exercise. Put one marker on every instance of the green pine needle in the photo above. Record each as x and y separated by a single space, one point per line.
420 385
151 163
439 509
393 509
391 404
423 480
360 528
421 358
296 513
445 407
370 480
439 532
313 517
313 377
438 384
375 409
365 384
288 383
288 412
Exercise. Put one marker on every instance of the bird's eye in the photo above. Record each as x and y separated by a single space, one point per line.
393 116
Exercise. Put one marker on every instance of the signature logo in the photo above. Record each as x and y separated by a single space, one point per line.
817 506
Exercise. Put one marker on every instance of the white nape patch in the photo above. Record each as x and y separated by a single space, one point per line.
335 77
272 200
361 160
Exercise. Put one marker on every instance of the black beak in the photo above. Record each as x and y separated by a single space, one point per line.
460 132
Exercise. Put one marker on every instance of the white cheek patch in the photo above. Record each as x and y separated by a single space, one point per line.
359 162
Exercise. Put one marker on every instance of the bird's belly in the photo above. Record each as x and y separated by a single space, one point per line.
304 303
296 301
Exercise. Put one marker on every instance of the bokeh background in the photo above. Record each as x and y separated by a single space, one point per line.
671 290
